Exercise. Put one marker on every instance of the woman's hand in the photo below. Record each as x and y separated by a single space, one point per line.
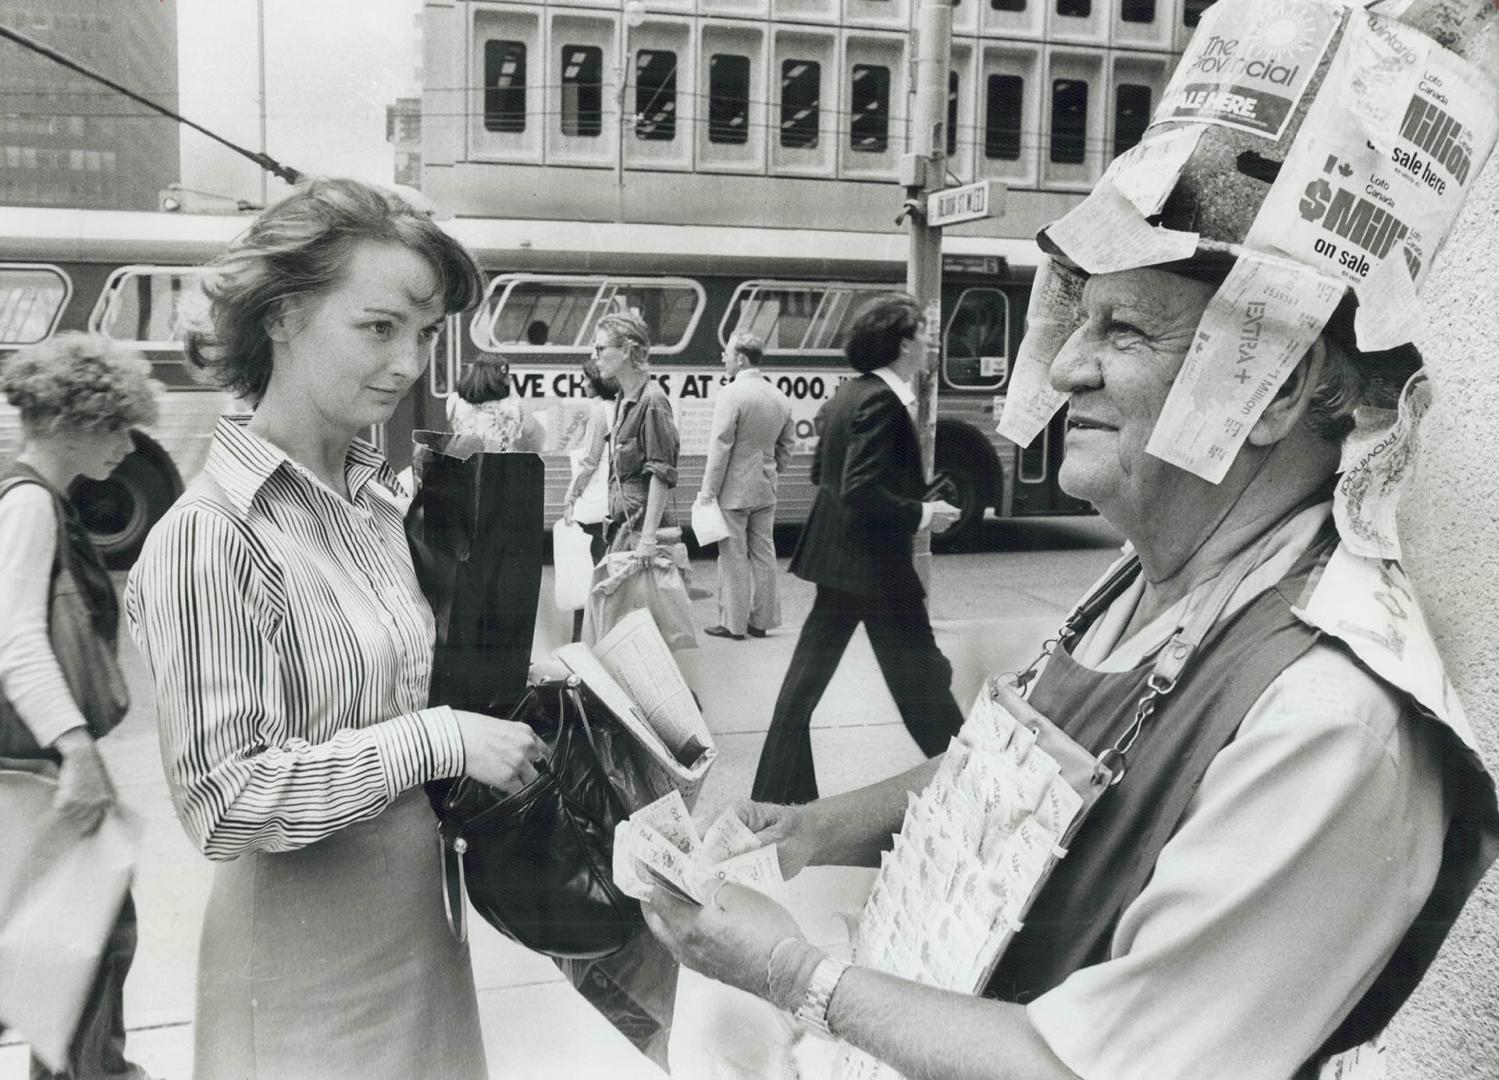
500 753
646 547
84 790
787 827
567 511
730 938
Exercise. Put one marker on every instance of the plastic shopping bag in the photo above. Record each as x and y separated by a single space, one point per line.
708 524
624 582
572 565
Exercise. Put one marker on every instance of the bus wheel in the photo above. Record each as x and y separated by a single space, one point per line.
967 497
118 512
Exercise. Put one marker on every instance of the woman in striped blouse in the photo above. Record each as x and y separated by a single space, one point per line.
291 650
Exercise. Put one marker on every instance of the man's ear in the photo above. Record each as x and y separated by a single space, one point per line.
1293 398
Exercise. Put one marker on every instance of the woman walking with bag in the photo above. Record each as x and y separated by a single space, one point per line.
79 396
643 442
291 650
587 501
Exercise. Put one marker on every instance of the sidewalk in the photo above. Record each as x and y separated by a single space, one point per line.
534 1025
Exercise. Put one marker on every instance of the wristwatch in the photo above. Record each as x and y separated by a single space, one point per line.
813 1011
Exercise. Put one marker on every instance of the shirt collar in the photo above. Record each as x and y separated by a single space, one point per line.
896 383
240 462
749 373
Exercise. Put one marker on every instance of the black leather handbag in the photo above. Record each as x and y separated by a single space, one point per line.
538 864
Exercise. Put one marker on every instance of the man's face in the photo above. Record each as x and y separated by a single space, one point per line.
1117 370
731 360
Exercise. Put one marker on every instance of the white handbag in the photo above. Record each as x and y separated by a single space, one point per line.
708 525
572 565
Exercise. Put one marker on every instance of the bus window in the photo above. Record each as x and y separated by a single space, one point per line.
801 317
140 304
31 302
558 313
975 347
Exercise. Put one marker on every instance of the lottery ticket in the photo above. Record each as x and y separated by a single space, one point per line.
670 817
726 838
759 869
1059 807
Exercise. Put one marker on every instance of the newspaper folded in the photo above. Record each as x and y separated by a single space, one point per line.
659 846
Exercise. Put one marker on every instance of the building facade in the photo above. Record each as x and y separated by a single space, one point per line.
67 141
785 112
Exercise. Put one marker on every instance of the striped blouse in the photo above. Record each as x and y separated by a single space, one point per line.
291 649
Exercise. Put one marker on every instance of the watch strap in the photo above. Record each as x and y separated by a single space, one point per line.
813 1011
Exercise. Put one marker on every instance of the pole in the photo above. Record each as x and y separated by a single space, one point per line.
923 171
260 50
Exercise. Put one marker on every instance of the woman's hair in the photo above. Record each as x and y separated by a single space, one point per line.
300 248
629 332
79 382
875 337
607 389
487 379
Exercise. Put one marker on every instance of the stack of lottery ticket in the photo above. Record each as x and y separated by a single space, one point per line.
969 858
658 845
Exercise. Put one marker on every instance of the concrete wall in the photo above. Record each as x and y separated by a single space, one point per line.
1449 528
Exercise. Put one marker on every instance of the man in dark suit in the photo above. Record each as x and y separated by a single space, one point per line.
856 548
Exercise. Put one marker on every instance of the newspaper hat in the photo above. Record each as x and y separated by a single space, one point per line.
1309 158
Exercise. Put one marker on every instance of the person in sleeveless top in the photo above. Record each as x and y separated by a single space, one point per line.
1295 832
291 649
79 396
486 406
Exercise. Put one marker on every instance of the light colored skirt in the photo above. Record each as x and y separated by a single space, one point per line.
335 961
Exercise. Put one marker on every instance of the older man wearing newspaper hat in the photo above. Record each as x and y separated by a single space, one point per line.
1223 824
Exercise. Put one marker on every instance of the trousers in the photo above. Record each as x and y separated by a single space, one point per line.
747 590
918 675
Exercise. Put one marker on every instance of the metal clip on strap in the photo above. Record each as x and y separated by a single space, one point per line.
1173 658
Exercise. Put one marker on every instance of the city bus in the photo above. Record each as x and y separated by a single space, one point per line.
127 274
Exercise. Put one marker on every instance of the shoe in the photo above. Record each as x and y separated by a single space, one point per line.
755 631
723 631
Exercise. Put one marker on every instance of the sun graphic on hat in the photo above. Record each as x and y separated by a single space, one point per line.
1281 30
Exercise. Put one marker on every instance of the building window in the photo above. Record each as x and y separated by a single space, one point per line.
1007 5
1002 113
505 86
655 95
582 90
1069 121
1138 11
1192 11
728 99
1075 9
801 86
1131 115
952 113
869 109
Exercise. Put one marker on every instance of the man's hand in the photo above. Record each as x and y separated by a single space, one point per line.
646 548
730 938
788 827
567 511
944 514
84 790
704 498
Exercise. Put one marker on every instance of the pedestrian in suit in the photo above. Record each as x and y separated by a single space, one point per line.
750 447
856 548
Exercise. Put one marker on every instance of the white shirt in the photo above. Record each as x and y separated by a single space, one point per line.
1305 855
291 651
29 673
902 390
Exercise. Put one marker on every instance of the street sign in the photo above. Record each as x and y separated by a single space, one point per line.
952 205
